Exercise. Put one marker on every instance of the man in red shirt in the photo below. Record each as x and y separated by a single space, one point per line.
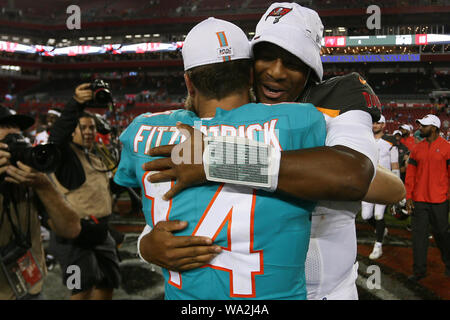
407 139
427 186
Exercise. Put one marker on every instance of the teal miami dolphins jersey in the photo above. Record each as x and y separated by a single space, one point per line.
264 237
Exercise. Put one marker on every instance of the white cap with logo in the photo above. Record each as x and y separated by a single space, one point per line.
213 41
294 28
430 120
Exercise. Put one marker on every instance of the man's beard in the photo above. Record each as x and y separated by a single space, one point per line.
424 134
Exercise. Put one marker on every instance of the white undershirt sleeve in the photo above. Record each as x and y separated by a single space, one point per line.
353 129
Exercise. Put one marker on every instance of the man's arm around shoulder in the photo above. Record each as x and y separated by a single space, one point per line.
325 173
341 170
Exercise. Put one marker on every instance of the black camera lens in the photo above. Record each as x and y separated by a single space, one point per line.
103 96
44 158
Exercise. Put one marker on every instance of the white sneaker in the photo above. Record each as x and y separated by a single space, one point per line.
376 252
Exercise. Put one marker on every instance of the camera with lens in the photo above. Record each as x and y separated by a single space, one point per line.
102 96
44 157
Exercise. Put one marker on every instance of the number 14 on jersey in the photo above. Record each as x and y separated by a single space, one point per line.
231 207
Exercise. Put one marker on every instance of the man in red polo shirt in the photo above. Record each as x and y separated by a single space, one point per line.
427 187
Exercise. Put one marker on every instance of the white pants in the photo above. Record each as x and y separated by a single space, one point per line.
368 209
346 290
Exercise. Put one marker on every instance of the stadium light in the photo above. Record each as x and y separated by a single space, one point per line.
15 68
82 39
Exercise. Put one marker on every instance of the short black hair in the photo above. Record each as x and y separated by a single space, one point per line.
86 114
219 80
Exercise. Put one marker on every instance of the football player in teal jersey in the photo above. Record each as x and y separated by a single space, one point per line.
263 238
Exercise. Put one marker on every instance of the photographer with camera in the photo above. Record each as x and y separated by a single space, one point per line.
83 177
26 193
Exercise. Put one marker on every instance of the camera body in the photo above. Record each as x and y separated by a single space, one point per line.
103 127
44 157
102 96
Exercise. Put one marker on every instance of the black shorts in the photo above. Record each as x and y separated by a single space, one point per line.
99 265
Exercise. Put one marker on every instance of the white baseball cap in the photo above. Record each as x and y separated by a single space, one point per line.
212 41
397 132
294 28
382 119
406 127
55 112
430 120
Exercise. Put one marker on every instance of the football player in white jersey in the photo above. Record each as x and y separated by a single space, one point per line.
374 212
341 172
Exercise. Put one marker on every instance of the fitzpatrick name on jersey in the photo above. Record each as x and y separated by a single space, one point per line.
152 136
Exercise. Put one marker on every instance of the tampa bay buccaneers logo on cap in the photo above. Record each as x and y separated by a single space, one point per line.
278 13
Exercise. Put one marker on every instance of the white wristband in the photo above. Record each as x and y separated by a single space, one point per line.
241 161
147 230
